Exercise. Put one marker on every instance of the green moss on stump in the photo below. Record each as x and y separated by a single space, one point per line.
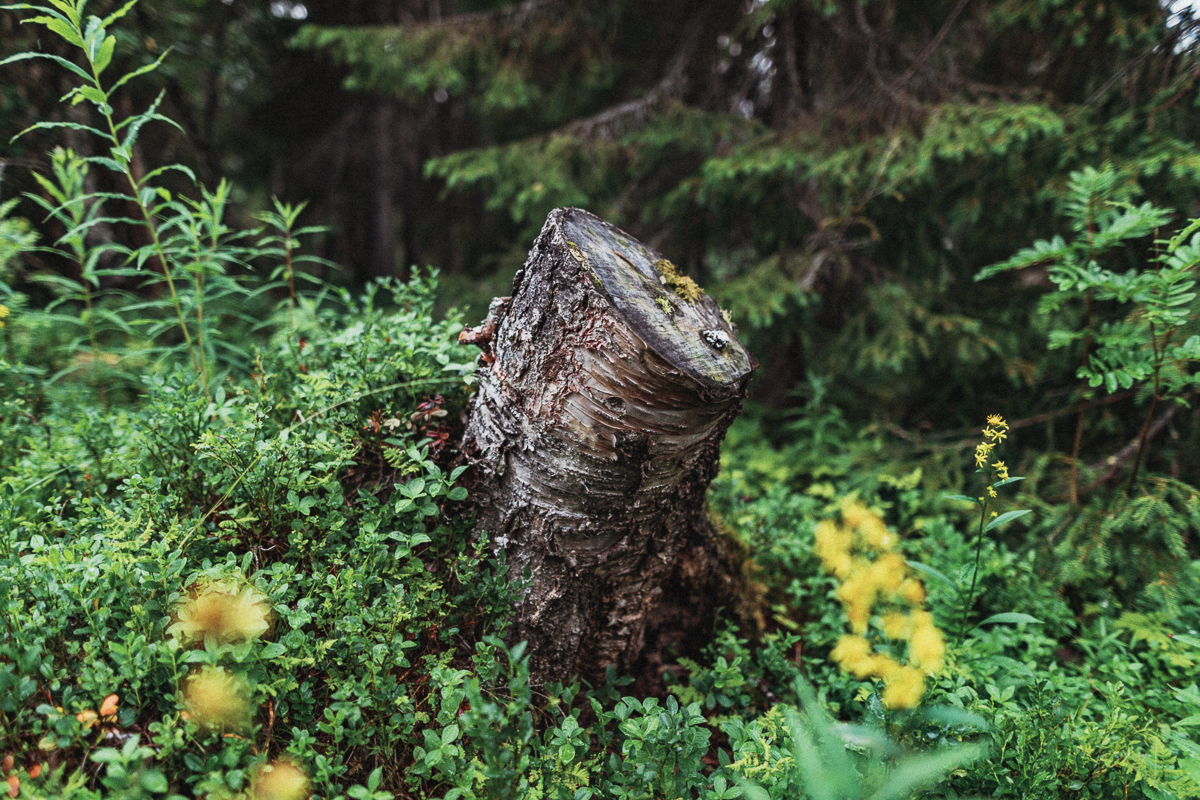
682 285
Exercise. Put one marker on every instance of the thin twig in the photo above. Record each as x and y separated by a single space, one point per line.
933 45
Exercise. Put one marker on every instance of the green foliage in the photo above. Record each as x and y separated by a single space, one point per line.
1149 342
285 449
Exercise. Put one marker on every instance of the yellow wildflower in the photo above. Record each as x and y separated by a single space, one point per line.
217 698
982 450
912 591
991 492
875 533
895 625
855 514
864 582
851 649
282 780
1001 470
858 593
832 546
995 420
903 687
926 646
3 314
889 571
224 613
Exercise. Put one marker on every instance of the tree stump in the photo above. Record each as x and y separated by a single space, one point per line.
606 385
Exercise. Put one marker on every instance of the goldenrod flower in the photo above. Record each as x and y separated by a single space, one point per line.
926 646
912 591
855 514
832 545
982 451
889 571
875 534
1001 470
866 582
850 648
991 492
3 314
858 593
895 625
225 613
903 687
217 698
995 420
282 780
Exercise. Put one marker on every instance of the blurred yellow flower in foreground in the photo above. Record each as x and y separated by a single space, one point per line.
225 612
282 780
903 687
217 698
866 583
3 314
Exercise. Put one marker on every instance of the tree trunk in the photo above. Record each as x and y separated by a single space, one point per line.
606 386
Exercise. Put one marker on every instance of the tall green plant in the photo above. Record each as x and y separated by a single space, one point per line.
1151 342
192 262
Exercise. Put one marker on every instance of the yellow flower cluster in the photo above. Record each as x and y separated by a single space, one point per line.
993 435
3 314
867 583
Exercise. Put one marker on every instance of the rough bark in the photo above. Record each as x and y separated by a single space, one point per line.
603 397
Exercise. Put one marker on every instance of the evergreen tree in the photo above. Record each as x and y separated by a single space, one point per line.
836 171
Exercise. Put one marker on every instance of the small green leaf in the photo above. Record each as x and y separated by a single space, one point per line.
961 497
106 755
933 573
273 650
94 95
1011 618
1007 516
154 781
458 493
1007 481
752 791
104 56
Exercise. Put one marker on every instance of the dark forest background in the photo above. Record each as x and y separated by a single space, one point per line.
836 173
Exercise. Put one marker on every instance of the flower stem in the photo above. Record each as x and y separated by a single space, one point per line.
966 610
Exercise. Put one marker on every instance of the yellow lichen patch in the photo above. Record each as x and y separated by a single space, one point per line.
682 285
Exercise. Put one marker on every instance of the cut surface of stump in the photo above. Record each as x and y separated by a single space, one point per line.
606 385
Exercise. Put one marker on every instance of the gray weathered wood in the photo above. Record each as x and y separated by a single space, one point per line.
603 398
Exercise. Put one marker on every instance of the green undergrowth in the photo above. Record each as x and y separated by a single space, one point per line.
1082 653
